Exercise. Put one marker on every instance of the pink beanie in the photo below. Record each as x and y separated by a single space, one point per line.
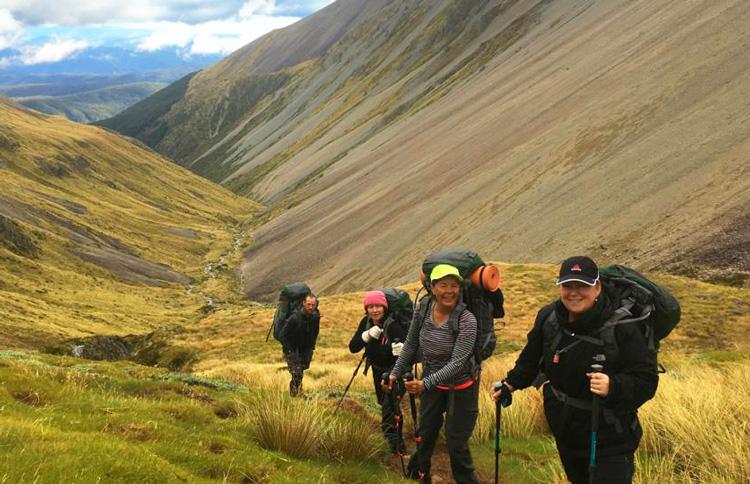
375 298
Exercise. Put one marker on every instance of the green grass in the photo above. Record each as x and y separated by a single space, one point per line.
96 230
522 460
63 422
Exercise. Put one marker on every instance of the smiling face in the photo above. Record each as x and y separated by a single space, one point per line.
376 312
578 297
446 291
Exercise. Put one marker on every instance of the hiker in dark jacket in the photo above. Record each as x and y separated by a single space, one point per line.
563 344
382 339
298 338
447 386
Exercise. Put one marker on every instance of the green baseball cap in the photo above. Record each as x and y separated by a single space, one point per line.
443 270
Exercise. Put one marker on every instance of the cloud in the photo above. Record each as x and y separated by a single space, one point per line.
8 23
10 29
54 50
86 12
216 37
65 27
257 7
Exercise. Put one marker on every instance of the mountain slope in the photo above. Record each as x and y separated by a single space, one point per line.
528 130
98 235
93 105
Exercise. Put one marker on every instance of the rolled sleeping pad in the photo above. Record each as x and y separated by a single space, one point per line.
486 277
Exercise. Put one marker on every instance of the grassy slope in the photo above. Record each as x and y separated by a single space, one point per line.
141 119
150 227
142 423
94 105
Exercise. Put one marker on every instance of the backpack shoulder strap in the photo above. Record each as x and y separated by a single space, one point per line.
455 317
624 315
387 324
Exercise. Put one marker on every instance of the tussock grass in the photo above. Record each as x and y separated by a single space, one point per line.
294 427
697 429
305 428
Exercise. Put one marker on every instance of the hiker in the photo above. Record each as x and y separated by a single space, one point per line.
298 337
382 337
447 386
563 344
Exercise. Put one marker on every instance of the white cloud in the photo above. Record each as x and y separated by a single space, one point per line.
86 12
55 50
216 37
257 7
10 29
192 26
8 23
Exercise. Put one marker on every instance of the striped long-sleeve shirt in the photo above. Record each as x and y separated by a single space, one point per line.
445 354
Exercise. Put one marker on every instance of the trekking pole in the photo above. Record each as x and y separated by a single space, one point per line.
269 331
395 400
595 368
417 439
498 413
350 383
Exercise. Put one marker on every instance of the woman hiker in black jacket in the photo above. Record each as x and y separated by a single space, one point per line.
563 344
382 337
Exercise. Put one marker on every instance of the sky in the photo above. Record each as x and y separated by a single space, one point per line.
44 31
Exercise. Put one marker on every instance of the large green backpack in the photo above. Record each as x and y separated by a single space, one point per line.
638 301
644 298
400 306
290 299
484 305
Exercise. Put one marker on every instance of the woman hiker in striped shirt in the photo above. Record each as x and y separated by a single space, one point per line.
447 386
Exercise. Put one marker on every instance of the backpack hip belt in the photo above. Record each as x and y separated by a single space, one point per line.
581 404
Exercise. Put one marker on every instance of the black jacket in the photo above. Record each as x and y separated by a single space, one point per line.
379 353
633 379
300 331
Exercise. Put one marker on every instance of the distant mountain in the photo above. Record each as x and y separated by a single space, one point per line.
102 80
93 105
527 129
100 236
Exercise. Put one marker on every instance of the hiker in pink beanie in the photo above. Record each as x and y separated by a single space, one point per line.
382 338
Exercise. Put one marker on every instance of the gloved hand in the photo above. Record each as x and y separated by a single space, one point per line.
502 393
372 334
396 348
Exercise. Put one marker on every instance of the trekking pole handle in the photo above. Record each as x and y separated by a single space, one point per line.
408 376
597 368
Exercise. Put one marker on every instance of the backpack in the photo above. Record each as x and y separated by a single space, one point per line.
638 301
400 306
290 299
479 294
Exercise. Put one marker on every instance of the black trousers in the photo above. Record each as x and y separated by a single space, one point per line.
297 361
610 469
458 428
388 408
